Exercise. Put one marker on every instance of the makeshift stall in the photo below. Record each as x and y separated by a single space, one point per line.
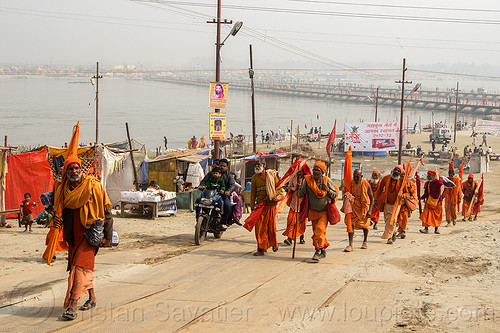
160 202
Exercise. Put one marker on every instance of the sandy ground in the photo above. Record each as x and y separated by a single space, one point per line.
158 280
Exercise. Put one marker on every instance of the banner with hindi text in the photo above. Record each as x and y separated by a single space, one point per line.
371 136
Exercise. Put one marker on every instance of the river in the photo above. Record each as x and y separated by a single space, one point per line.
36 111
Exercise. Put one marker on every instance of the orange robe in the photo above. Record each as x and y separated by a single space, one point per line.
361 204
386 196
432 216
451 196
319 221
265 228
375 214
293 215
468 192
404 211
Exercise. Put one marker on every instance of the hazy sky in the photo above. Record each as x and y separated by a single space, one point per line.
170 33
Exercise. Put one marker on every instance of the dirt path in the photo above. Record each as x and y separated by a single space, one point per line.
158 280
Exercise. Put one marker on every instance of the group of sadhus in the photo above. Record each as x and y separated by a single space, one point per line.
395 195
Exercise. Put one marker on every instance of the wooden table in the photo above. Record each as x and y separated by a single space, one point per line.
13 211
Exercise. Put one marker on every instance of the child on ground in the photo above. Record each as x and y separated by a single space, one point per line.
27 211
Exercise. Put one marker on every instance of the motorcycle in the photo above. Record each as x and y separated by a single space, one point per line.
208 218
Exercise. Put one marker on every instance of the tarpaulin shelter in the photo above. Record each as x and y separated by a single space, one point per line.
27 172
165 168
272 162
3 171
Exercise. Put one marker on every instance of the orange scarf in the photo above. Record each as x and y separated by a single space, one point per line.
89 196
314 187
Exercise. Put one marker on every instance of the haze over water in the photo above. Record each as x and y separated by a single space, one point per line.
37 111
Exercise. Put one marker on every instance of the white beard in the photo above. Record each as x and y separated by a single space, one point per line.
395 177
259 170
74 177
375 181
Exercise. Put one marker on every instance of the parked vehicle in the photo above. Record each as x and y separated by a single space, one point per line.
440 135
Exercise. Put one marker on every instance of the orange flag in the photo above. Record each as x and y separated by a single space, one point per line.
451 165
348 170
347 184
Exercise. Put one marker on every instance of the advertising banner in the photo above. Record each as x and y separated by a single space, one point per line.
217 125
218 95
487 126
371 137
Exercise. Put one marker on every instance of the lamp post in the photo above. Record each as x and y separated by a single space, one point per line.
218 45
456 114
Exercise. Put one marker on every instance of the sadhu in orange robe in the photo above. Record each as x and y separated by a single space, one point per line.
360 205
265 228
432 215
293 214
451 196
386 196
317 213
468 192
404 211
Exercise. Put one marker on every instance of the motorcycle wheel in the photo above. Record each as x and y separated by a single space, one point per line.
200 230
218 234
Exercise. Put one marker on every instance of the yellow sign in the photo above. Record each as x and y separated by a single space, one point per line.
217 125
218 95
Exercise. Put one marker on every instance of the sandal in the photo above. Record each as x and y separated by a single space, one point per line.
89 304
69 314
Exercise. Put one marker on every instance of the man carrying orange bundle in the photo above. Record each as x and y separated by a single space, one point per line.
83 207
432 216
386 198
294 202
374 183
469 189
452 197
319 190
360 200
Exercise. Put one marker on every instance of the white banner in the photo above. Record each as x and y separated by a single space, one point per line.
487 126
372 137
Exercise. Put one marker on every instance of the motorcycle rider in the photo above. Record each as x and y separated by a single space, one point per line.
216 183
229 187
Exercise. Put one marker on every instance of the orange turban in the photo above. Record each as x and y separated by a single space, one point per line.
72 154
320 165
471 176
400 168
376 173
432 172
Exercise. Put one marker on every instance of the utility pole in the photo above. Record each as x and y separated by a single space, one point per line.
217 63
291 142
251 73
376 115
97 77
456 114
401 117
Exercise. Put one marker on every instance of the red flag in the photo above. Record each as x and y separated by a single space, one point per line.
418 184
331 139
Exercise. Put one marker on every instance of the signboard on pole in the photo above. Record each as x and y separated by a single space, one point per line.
371 136
218 95
217 122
